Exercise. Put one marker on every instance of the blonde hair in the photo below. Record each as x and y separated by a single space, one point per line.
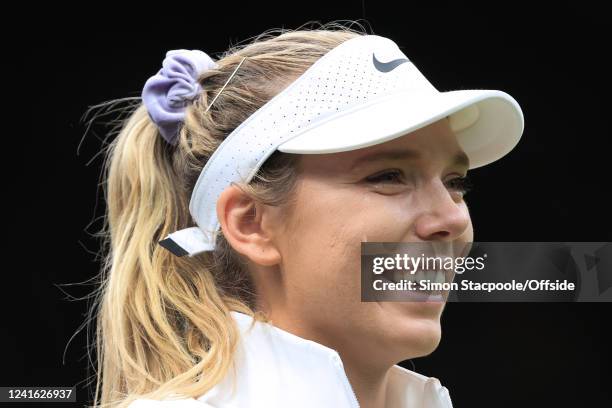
162 322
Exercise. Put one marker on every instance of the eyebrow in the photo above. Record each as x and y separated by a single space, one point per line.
459 159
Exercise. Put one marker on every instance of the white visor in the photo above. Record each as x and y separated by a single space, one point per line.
363 92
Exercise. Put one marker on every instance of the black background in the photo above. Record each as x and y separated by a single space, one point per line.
552 187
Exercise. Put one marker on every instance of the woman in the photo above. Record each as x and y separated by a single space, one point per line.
260 174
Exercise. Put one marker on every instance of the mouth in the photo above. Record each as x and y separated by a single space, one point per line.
428 284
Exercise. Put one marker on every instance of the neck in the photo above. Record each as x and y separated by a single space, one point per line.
368 382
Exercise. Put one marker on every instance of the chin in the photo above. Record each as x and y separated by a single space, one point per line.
413 328
419 337
428 342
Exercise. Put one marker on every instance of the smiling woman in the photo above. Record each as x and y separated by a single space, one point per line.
260 174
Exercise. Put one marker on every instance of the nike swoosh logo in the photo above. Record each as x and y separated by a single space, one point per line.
387 66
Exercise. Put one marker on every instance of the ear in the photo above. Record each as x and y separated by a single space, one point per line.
242 221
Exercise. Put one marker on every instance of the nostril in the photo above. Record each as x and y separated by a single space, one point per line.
441 234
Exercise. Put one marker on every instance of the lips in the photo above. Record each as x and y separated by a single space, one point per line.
438 276
433 276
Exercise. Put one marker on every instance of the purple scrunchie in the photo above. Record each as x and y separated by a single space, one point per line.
167 93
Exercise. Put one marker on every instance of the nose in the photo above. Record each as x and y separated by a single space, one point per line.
443 216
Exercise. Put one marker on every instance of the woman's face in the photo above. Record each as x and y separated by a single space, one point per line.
343 199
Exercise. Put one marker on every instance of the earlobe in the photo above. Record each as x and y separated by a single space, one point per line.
241 219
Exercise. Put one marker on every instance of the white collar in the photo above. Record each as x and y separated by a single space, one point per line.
275 368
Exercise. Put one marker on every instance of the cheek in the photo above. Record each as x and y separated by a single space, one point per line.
322 243
322 231
324 235
339 219
383 218
334 224
468 235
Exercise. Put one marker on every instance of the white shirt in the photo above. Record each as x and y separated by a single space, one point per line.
275 368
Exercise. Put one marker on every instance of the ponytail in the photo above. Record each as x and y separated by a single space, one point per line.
156 308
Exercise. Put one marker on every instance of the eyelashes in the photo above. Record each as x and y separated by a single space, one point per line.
462 184
390 177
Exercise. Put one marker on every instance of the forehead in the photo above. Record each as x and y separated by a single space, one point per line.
434 143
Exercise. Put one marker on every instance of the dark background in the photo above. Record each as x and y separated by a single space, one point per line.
554 186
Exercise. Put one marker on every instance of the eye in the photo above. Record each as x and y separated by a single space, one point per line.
461 184
386 177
